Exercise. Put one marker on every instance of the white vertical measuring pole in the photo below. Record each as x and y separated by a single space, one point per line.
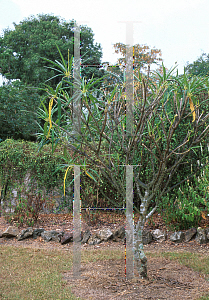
129 84
76 131
77 82
129 223
76 224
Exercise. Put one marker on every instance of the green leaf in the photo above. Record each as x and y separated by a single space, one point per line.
52 139
59 110
90 175
58 87
45 109
45 128
149 127
65 152
63 61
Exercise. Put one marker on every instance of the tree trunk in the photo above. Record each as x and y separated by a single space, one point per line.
139 255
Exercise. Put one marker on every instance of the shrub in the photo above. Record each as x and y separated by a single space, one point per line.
189 204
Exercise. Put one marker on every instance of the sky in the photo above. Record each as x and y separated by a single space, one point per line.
178 27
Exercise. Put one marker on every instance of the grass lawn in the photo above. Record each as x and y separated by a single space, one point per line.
36 274
33 274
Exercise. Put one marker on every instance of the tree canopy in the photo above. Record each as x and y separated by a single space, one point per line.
142 54
18 103
22 49
199 67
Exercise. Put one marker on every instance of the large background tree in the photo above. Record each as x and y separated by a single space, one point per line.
18 104
21 57
199 67
22 49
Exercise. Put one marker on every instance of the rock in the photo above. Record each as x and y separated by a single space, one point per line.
158 235
189 234
94 240
146 237
207 233
56 236
67 238
177 237
46 235
86 236
105 234
60 235
11 231
201 237
51 236
119 234
37 232
25 233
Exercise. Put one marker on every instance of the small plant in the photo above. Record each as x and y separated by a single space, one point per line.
27 209
95 217
92 217
151 221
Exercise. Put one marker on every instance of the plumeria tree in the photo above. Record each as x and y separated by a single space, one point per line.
158 145
143 55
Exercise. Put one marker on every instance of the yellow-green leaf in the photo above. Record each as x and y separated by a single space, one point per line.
192 109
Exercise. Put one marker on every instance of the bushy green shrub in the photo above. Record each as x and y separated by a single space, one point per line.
185 207
19 158
47 169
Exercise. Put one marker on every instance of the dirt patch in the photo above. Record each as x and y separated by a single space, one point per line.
166 280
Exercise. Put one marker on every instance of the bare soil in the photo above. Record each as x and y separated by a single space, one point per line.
106 279
166 280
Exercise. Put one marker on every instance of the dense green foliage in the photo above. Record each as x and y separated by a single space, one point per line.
22 49
185 208
18 104
20 159
200 67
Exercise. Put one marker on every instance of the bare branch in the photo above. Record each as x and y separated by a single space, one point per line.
151 212
103 128
150 150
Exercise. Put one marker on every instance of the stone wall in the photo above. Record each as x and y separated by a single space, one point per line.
52 200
